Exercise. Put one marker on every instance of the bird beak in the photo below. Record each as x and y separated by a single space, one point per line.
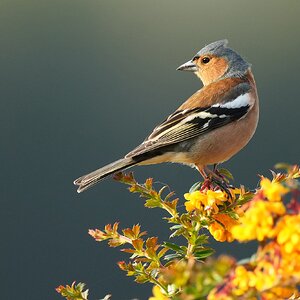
188 66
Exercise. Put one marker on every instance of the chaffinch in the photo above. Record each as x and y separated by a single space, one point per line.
209 128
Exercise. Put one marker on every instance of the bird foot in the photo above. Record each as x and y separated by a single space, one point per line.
223 186
214 180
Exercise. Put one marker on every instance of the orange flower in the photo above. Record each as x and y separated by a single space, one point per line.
281 292
221 228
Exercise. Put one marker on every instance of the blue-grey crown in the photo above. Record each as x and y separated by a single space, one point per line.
237 65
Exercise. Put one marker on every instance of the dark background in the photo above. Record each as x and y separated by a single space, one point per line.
84 81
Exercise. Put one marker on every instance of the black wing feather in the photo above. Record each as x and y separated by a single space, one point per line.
181 126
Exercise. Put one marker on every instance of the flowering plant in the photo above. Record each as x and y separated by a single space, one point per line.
269 215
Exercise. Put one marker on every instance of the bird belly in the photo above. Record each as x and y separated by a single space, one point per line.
221 144
173 157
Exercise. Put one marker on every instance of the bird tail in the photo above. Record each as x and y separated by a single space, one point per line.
87 181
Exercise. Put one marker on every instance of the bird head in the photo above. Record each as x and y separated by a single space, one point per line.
216 61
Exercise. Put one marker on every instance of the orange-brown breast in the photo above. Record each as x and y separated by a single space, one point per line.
214 92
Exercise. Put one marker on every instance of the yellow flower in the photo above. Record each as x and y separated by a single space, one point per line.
157 294
258 221
287 233
261 278
272 190
266 276
241 280
195 200
221 228
207 201
281 292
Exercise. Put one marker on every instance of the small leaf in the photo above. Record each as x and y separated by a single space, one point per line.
136 230
129 233
244 198
98 235
171 204
122 265
138 244
233 215
162 190
73 292
152 203
173 247
149 183
200 254
128 250
171 194
141 279
226 173
178 232
201 239
152 242
162 252
195 187
172 256
176 227
115 242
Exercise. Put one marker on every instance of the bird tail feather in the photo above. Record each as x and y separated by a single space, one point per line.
89 180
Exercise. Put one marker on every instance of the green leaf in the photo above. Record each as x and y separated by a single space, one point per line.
171 194
152 203
178 232
245 198
176 227
226 173
200 254
141 279
172 256
195 187
233 215
173 247
201 239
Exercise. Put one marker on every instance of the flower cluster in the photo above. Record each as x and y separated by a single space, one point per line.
274 272
221 227
221 209
270 216
205 202
259 221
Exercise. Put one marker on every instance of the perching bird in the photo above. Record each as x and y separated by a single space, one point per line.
210 127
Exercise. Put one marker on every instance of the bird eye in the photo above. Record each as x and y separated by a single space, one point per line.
205 60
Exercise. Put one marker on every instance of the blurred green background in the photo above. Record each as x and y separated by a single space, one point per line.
82 82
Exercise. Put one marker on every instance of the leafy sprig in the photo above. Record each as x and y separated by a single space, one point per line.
183 271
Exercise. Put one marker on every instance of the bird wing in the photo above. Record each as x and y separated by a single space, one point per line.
190 123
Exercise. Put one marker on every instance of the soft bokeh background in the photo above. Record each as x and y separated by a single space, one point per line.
81 83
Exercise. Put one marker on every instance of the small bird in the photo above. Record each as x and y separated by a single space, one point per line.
212 125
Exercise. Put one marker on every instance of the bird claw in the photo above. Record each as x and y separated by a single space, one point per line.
216 181
223 186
